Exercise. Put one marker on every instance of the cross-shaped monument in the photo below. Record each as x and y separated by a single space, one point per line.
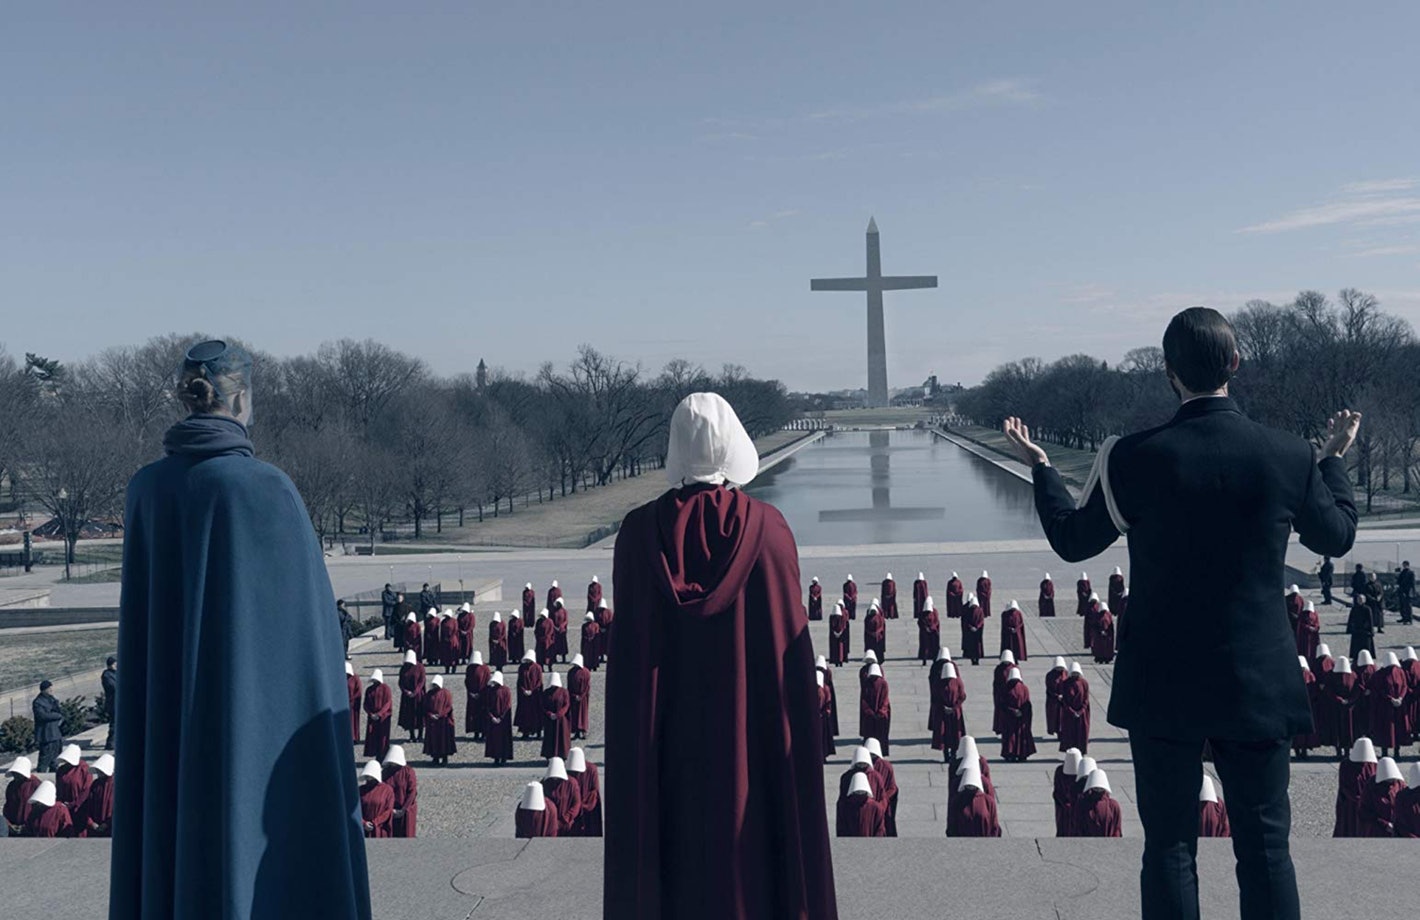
874 283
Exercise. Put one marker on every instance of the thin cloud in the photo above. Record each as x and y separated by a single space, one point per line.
1402 249
989 94
765 222
1363 204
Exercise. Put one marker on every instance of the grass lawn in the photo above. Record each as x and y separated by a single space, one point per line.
28 659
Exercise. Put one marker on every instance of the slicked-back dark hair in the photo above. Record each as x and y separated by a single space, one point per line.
1199 345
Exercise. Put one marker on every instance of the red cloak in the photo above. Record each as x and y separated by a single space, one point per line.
954 598
556 732
379 704
439 730
579 694
432 653
983 595
951 723
973 623
1407 813
1377 812
553 596
1296 604
545 641
528 718
1046 601
883 767
860 816
888 600
1097 815
1102 644
1092 613
973 814
466 622
833 694
17 799
449 643
591 644
497 644
838 639
702 574
1064 797
567 797
1075 714
475 681
1213 820
356 692
498 704
1017 740
71 785
919 597
1082 596
405 786
594 595
929 636
529 603
527 823
411 697
1306 741
850 599
98 808
875 633
1342 698
1351 782
1308 633
412 641
1053 679
1115 591
558 616
516 646
377 809
825 712
589 815
54 821
875 783
875 712
1390 716
998 687
1013 633
815 601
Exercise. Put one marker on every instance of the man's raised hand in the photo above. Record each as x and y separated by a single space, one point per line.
1341 431
1019 437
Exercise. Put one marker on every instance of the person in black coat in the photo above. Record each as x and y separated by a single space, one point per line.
1375 599
1209 491
48 735
1405 591
1325 574
388 598
1362 627
1358 581
109 679
426 599
347 625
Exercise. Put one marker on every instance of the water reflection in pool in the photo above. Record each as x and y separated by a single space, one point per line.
896 487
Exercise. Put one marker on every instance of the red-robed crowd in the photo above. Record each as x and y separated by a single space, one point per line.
77 803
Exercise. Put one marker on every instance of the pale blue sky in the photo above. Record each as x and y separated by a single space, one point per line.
508 180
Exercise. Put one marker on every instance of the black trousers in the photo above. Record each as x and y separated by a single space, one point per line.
1326 592
48 755
1167 777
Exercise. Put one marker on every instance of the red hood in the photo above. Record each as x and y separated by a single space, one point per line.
707 544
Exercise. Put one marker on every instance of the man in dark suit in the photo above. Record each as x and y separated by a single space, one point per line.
1325 574
1212 492
109 680
1405 591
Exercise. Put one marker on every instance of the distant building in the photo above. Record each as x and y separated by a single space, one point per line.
481 378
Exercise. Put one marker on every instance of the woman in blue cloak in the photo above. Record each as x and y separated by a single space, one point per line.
237 793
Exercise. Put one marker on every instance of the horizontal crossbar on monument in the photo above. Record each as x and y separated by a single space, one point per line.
890 283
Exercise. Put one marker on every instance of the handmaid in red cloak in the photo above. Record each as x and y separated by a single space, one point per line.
1013 631
376 802
950 726
883 767
497 642
863 763
589 812
1045 603
439 730
399 776
529 602
998 684
1102 644
875 631
825 712
1017 738
875 709
449 643
498 705
554 594
1092 615
528 718
411 696
95 818
1356 772
562 791
1304 742
356 692
1053 679
605 615
929 632
1212 814
1407 806
1390 716
1296 603
1064 794
49 818
475 682
919 595
1342 696
545 640
973 625
1082 594
821 666
467 622
591 648
954 597
838 641
968 756
1097 813
558 614
535 816
858 813
433 654
1115 589
1308 631
815 600
983 593
594 593
579 696
850 598
1378 800
972 812
23 782
556 730
889 597
1075 711
516 643
709 574
379 707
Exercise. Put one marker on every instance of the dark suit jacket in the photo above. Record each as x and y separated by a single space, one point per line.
1210 492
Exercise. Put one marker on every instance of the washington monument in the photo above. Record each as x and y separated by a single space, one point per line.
874 283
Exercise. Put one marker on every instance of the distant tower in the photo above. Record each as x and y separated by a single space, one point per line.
482 377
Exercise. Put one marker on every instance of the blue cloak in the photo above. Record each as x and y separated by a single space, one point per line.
235 792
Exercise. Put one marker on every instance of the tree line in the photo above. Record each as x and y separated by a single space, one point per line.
371 437
1301 361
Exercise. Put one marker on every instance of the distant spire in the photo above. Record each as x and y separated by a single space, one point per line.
872 225
482 377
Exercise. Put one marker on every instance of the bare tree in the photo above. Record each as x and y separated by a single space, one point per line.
79 466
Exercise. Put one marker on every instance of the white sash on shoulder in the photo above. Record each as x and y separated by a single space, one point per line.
1099 473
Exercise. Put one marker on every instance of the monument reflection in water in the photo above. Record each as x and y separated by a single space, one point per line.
896 487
